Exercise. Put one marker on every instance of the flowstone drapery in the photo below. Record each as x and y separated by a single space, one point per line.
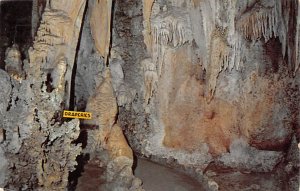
222 69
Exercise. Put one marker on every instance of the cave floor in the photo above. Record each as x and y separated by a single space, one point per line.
91 178
156 177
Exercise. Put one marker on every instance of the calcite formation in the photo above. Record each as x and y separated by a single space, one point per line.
13 62
104 107
214 72
150 78
124 93
38 150
168 29
100 22
89 64
147 9
108 137
58 74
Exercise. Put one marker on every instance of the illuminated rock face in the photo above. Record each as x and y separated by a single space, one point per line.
100 22
213 72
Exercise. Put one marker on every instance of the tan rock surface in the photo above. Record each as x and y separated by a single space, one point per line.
188 119
117 144
147 9
100 22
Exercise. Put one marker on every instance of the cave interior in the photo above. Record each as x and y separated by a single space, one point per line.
183 95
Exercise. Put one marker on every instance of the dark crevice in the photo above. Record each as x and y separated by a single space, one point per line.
16 100
72 91
36 117
273 50
10 97
15 27
57 118
4 135
72 102
81 159
50 88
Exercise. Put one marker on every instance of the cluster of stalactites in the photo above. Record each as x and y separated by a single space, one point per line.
261 22
252 20
269 19
49 34
225 25
171 31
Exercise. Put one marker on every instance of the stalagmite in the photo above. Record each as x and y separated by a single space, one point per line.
13 62
103 104
218 61
108 135
58 75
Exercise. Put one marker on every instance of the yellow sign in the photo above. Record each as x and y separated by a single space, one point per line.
77 114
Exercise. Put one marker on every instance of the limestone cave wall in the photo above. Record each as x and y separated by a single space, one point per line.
207 87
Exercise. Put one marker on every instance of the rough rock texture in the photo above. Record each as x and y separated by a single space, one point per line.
5 93
244 157
38 150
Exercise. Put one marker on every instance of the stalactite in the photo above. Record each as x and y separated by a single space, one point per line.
270 19
169 30
234 39
261 22
207 9
219 61
252 20
100 22
150 78
236 53
147 7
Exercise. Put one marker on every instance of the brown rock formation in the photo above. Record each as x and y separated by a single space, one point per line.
100 22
